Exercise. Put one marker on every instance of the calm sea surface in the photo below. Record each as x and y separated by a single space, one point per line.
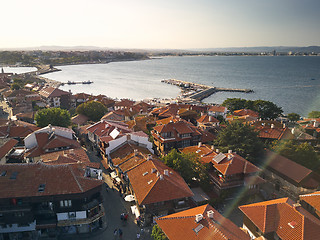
291 82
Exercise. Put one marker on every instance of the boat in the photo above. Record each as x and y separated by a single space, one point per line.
87 82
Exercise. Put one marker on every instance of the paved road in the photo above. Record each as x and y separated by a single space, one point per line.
115 205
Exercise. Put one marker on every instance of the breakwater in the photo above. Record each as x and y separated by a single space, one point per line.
198 91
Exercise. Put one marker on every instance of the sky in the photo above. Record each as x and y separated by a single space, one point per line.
159 24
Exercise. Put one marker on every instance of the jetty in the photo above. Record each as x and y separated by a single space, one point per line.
198 91
72 82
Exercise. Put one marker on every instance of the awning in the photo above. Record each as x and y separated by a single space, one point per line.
113 174
129 198
135 211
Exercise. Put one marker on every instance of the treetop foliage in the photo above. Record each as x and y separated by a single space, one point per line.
302 153
314 114
266 109
94 110
240 138
54 116
188 166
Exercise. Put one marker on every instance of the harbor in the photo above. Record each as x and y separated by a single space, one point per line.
198 91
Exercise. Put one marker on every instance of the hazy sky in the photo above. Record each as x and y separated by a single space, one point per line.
160 23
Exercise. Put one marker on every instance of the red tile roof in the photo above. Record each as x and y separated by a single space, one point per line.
288 168
30 176
149 188
244 112
183 225
217 109
289 221
230 164
79 119
45 143
17 131
51 92
104 128
206 119
312 199
6 148
73 155
274 133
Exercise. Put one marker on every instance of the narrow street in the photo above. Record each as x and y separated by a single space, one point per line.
114 205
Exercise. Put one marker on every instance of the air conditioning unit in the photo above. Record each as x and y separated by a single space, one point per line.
210 214
199 217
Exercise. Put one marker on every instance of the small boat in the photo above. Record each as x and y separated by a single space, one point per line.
87 82
69 82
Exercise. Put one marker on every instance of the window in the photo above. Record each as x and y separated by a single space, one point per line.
72 215
65 203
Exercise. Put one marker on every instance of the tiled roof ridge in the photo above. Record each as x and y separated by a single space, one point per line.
310 195
76 179
154 183
133 155
180 217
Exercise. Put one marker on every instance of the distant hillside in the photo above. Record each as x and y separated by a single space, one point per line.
309 49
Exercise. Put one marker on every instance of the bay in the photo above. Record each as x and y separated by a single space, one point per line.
291 82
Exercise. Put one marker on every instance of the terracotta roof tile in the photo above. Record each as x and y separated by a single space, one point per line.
6 148
50 92
217 109
182 225
30 176
290 222
149 188
244 112
286 167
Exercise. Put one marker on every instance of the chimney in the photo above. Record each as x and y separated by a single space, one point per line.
166 172
272 125
284 125
217 150
210 118
212 147
202 113
153 170
210 214
135 152
199 144
229 151
161 177
199 217
149 157
230 156
315 124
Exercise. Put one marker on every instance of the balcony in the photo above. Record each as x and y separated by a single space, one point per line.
222 183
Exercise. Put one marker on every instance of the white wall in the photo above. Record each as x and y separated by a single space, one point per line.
65 216
115 143
15 228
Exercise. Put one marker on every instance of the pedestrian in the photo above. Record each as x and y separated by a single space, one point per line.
115 233
122 216
120 233
138 235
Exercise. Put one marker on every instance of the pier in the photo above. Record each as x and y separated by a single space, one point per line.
200 91
72 83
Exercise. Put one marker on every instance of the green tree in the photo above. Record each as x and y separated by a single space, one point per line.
157 233
15 86
188 166
267 109
94 110
54 116
293 117
234 103
240 138
302 153
314 114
